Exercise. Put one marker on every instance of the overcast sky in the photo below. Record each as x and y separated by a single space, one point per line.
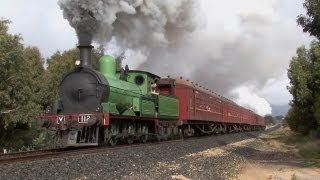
41 24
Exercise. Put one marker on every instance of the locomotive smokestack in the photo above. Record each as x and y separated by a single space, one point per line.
85 55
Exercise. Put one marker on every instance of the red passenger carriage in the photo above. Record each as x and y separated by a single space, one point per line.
204 112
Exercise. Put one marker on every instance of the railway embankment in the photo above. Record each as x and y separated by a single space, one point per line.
259 155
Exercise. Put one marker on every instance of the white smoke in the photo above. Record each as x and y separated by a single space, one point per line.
242 45
249 97
132 57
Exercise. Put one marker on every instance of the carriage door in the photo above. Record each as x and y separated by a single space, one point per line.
192 109
225 112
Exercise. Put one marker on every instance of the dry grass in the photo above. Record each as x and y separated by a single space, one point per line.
308 148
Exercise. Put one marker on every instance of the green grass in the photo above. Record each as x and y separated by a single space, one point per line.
308 148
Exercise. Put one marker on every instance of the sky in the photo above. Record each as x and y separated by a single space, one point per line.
41 24
275 90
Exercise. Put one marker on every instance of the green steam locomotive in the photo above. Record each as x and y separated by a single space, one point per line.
110 106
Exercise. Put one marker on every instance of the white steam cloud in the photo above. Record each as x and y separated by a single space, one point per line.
242 45
249 97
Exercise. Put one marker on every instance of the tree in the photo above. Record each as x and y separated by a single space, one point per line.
269 120
35 61
311 21
20 72
304 76
279 118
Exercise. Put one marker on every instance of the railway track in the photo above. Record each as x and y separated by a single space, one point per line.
32 155
58 153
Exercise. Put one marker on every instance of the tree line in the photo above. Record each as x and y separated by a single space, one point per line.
28 85
304 76
27 88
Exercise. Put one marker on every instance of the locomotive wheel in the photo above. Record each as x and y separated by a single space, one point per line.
130 140
143 138
113 141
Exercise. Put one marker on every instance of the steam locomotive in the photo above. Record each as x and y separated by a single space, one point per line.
109 106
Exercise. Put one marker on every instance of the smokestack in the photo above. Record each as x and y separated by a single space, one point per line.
85 55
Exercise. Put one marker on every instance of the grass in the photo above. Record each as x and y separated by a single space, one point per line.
308 148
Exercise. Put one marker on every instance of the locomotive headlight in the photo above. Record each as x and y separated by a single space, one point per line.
77 62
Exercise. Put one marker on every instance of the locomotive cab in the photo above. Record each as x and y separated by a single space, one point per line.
144 80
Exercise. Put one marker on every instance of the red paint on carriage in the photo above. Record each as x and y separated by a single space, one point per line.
198 104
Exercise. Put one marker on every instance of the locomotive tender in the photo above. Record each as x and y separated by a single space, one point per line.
108 106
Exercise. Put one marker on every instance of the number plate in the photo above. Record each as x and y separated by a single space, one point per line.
84 118
61 119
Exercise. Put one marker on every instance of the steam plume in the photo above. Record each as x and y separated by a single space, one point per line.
243 44
133 23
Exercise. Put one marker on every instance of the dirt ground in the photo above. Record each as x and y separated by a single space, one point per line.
268 171
289 165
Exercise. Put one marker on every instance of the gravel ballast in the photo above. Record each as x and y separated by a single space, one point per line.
205 158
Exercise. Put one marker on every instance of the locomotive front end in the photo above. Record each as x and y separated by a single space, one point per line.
83 90
78 115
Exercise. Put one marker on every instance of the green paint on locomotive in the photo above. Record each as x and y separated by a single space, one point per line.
121 92
168 106
131 95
